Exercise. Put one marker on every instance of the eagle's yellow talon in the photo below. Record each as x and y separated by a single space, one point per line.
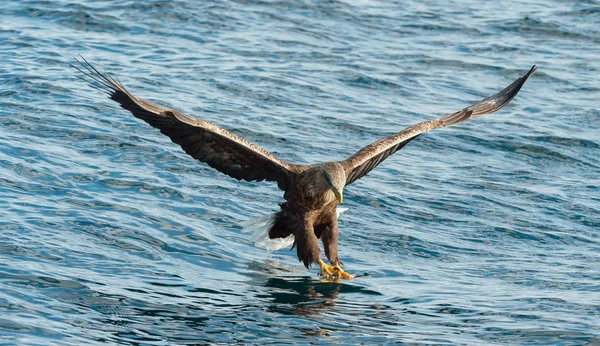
333 273
343 274
327 272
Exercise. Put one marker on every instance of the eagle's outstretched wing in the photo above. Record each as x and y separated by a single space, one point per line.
367 158
201 139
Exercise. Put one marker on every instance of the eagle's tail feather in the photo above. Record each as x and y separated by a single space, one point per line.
260 226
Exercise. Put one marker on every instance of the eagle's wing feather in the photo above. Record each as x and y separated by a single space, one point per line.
367 158
201 139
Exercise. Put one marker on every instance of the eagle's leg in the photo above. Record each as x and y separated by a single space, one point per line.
307 244
329 236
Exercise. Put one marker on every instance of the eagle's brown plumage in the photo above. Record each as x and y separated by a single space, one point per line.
312 192
367 158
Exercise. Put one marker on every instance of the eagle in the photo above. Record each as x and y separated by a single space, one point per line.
311 192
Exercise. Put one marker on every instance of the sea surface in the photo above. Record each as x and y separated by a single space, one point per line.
486 233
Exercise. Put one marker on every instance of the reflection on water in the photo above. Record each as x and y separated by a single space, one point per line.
302 295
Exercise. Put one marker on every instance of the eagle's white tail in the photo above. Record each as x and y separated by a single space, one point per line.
259 227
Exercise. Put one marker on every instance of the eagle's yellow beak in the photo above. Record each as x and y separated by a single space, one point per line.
338 194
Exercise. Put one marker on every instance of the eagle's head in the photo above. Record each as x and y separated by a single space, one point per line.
335 177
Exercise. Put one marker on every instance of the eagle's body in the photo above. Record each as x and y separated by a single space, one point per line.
310 214
311 192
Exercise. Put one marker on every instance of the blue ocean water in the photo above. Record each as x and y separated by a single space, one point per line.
483 233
